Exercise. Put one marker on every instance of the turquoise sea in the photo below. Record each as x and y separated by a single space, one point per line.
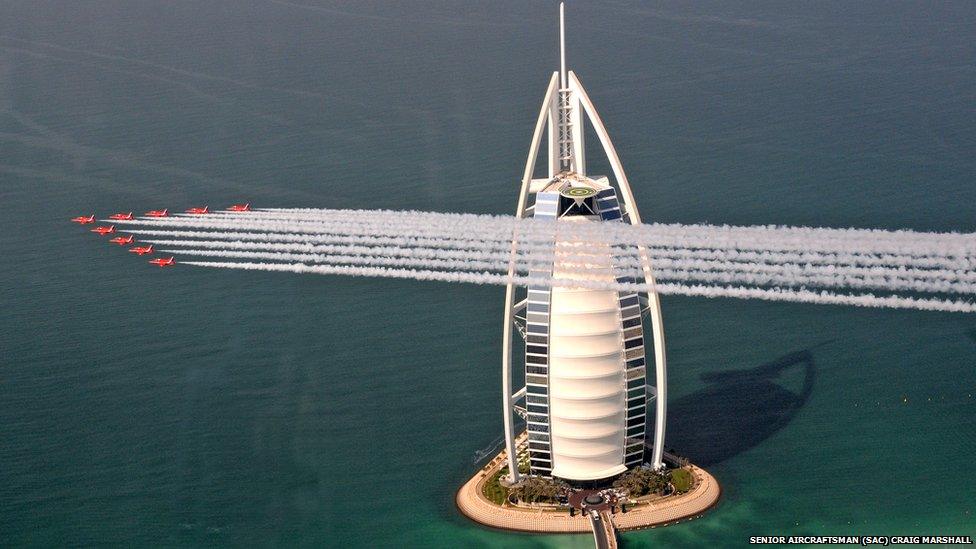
190 407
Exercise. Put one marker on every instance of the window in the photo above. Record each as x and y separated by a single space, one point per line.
631 322
634 353
629 312
537 329
535 389
635 421
537 427
635 431
537 349
636 363
628 302
539 437
630 333
536 409
532 359
637 411
635 373
631 343
536 399
636 392
538 318
541 370
535 379
537 339
538 308
635 383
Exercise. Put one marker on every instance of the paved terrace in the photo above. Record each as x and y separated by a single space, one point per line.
472 503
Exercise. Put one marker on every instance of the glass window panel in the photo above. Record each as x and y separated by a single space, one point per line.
538 380
631 322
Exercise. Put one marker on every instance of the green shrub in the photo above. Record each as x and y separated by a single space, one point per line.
641 481
493 489
682 480
539 490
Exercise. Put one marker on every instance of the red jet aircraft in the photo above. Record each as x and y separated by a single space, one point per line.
240 208
198 211
121 216
84 220
141 250
157 213
104 230
164 262
122 241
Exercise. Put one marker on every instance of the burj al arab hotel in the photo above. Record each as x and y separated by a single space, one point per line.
587 402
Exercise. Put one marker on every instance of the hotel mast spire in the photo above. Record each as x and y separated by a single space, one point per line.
562 45
567 159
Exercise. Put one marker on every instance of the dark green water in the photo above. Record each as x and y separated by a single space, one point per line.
195 407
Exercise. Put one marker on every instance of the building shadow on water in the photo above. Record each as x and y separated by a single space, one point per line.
738 409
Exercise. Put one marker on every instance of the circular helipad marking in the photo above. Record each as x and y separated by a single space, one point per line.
578 192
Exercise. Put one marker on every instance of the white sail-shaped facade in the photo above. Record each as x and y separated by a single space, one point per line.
587 374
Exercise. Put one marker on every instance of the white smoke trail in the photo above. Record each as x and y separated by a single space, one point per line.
508 222
579 259
796 278
796 296
898 278
700 236
503 240
815 258
774 262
